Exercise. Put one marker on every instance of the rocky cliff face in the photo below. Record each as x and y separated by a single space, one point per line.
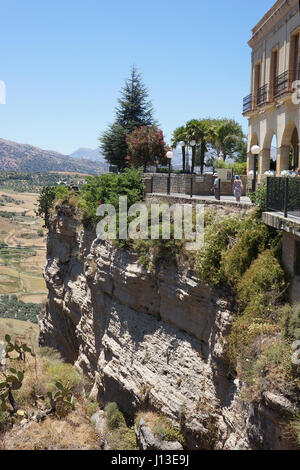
155 342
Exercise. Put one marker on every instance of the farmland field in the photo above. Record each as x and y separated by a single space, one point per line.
22 247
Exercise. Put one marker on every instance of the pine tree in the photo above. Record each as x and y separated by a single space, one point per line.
134 110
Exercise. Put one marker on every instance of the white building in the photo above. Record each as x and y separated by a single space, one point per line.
272 107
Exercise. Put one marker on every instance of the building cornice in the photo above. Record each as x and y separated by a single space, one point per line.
269 21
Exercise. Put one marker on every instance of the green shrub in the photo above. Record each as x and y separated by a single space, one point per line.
115 418
62 192
45 203
108 188
217 237
91 406
122 438
259 291
294 426
259 196
119 436
66 374
291 322
253 237
164 429
4 420
265 277
160 426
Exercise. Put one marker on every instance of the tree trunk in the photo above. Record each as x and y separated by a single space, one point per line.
183 160
12 401
193 158
202 157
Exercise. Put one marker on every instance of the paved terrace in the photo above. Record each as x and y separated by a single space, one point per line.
245 202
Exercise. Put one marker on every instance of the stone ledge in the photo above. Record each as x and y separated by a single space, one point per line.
278 221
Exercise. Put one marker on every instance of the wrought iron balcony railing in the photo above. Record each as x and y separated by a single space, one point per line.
247 104
282 84
262 95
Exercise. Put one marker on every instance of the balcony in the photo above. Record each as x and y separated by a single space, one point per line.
283 83
247 104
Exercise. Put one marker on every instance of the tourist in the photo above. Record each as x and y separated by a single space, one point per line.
237 188
215 188
298 171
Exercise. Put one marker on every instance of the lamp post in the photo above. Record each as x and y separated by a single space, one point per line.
255 151
169 157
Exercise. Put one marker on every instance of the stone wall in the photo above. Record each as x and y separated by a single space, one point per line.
290 235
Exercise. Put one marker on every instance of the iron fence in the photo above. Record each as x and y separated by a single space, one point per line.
283 195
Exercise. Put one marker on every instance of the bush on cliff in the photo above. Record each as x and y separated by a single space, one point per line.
257 347
259 196
119 436
291 322
107 189
259 291
218 235
161 427
265 279
103 189
253 238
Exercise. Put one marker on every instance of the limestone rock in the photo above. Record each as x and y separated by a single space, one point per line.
149 341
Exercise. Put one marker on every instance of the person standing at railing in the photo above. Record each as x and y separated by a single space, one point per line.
237 188
215 188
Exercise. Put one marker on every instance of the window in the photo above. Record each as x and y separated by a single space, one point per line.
273 72
294 58
256 81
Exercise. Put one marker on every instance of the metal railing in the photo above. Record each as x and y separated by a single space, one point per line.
282 83
247 104
262 95
283 195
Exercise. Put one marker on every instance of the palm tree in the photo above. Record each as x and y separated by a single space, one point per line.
229 136
208 133
194 132
179 135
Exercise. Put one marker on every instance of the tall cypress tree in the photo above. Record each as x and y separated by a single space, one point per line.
134 110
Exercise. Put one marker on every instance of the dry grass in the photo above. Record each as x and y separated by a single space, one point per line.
72 433
70 430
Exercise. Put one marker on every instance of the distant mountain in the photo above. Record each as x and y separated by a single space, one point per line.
84 153
23 157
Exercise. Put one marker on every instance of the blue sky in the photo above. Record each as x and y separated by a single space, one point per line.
65 61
